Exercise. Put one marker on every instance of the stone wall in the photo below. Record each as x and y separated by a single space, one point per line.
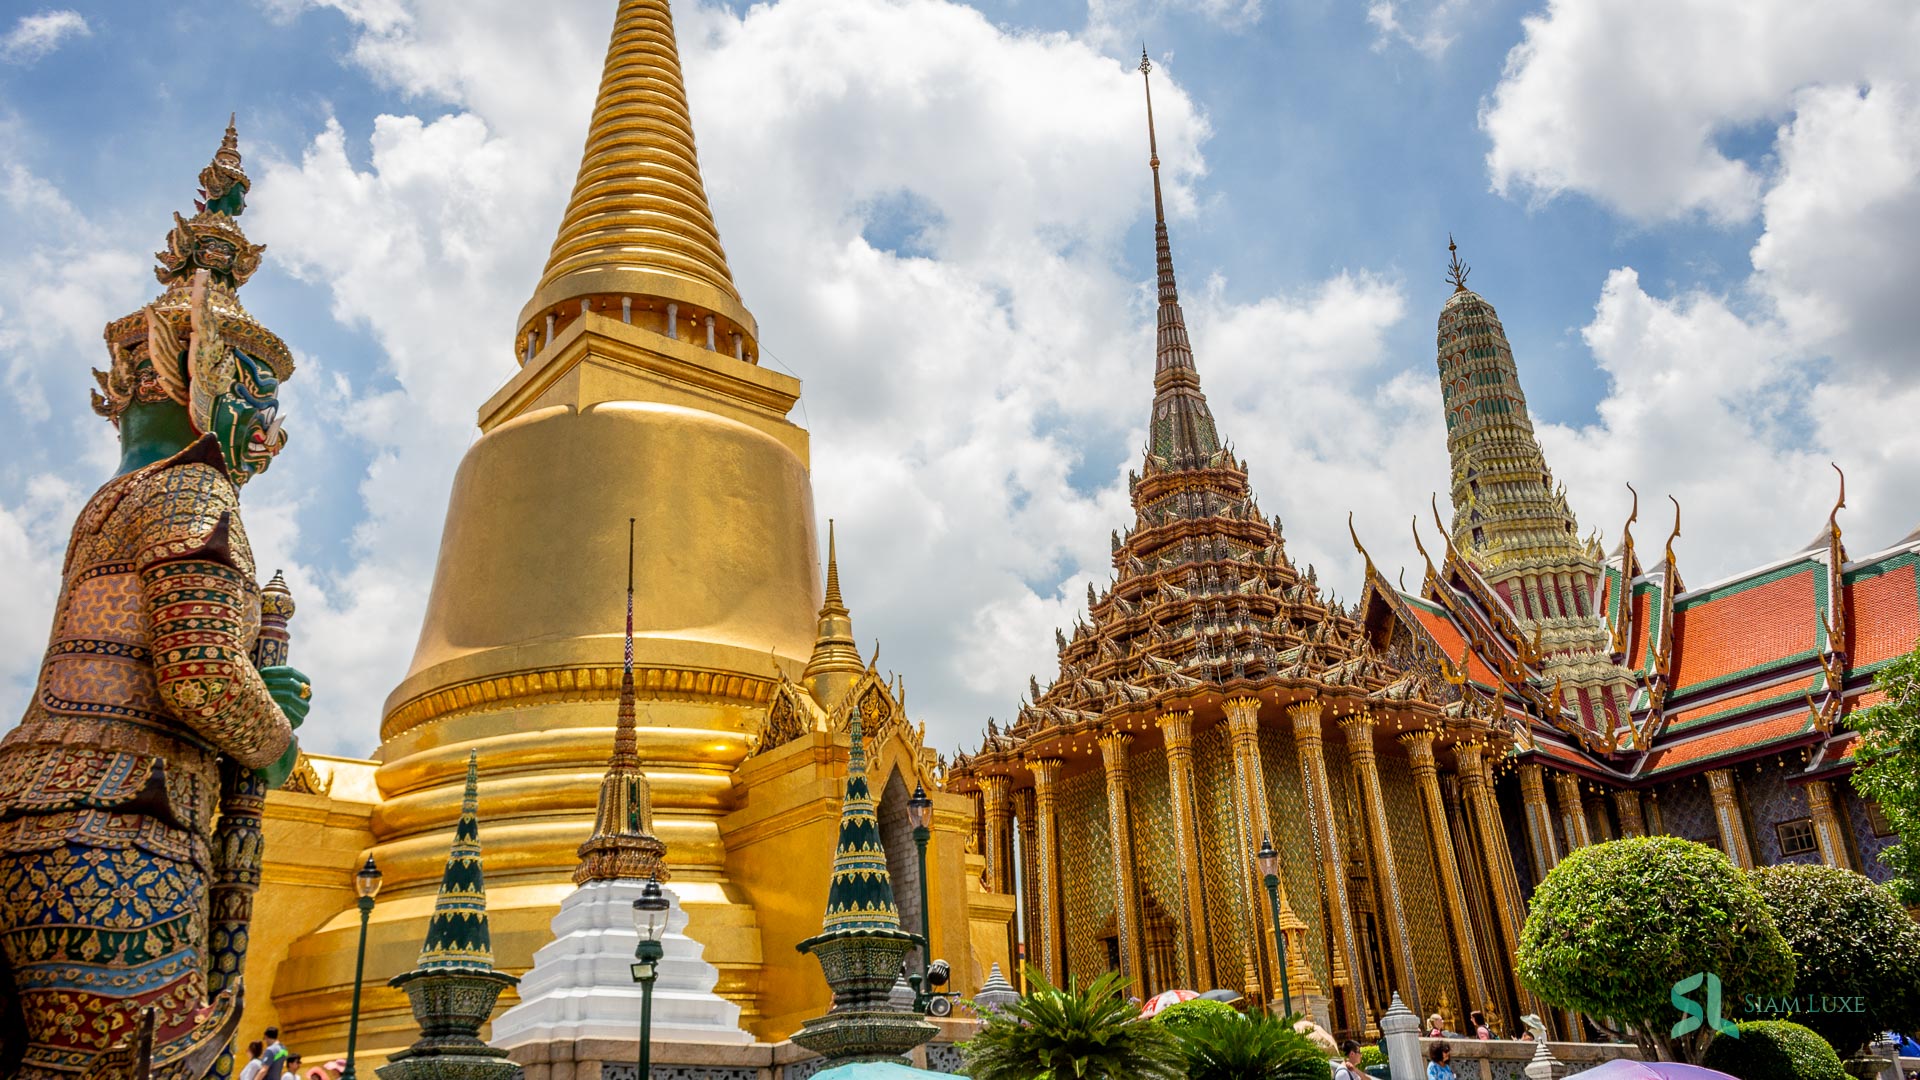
1506 1059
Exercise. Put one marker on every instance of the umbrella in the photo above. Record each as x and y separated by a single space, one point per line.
1166 998
1622 1069
1231 997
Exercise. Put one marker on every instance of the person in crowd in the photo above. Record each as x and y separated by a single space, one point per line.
1436 1027
1439 1062
274 1055
1478 1021
256 1060
1349 1066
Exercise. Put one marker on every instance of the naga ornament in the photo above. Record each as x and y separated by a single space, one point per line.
153 717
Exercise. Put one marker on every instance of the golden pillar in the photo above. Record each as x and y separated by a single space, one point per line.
1597 819
1023 811
995 788
1197 955
1046 772
1476 787
1343 950
1826 825
1533 795
1126 883
1426 777
1626 805
1256 823
1726 813
1366 769
1573 811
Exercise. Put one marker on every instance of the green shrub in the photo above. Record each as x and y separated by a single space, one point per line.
1775 1050
1258 1046
1072 1034
1851 940
1177 1017
1616 925
1371 1056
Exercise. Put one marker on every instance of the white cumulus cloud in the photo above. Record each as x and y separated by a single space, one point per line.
34 36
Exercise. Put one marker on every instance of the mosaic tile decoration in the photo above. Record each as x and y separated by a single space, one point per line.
1155 859
1867 845
1770 800
1420 885
946 1058
1086 878
1300 861
1220 845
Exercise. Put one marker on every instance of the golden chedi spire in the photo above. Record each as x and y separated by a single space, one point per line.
638 241
835 663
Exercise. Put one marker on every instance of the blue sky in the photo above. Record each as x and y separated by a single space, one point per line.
1689 214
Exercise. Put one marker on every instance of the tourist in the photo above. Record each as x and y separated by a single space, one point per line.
256 1060
1438 1062
274 1055
1478 1021
1436 1027
1349 1067
293 1067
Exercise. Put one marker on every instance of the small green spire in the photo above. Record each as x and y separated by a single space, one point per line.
860 895
457 934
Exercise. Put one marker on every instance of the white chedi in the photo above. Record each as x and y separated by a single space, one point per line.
582 987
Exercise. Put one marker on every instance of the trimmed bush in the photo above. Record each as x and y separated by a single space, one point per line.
1072 1034
1775 1050
1616 925
1853 943
1177 1017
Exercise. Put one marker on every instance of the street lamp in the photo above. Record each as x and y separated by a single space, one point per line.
366 885
920 816
650 919
1269 861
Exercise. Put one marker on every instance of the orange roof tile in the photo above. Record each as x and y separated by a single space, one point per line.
1739 737
1642 621
1728 705
1452 643
1735 631
1883 615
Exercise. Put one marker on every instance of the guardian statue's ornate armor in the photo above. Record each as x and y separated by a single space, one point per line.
149 702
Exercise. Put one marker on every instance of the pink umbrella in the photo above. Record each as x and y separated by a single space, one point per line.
1622 1069
1166 998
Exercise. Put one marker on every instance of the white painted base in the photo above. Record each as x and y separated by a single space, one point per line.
581 985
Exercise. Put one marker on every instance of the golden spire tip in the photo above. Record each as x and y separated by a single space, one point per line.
1456 270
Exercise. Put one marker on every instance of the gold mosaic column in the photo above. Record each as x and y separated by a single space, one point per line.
1126 884
1046 772
1626 806
1533 794
1426 777
1256 817
1476 787
1023 811
1726 813
995 787
1826 825
1573 811
1366 769
1342 950
1197 955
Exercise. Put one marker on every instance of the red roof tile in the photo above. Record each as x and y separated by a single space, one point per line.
1642 622
1735 631
1452 642
1733 739
1883 615
1727 705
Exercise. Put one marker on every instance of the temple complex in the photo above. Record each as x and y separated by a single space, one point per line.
1422 759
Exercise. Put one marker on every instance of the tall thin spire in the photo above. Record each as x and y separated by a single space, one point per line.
1181 432
638 227
457 933
835 662
622 845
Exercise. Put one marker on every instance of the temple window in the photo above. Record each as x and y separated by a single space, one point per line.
1796 837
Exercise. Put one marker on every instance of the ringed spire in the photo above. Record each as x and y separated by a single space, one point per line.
1181 432
638 240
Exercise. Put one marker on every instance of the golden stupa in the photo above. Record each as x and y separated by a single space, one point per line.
638 395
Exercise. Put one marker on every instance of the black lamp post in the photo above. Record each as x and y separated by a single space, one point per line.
650 919
920 816
1269 861
366 885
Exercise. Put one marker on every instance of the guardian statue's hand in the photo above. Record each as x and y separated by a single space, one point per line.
294 694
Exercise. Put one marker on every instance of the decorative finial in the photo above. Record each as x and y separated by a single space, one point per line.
1456 270
1833 519
833 572
1153 144
1146 65
457 935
